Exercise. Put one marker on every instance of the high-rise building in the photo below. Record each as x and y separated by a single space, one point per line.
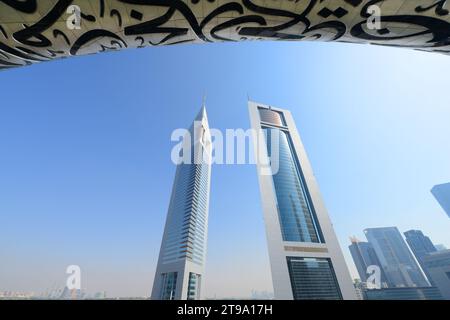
438 269
305 257
440 247
396 260
421 246
180 269
442 194
364 256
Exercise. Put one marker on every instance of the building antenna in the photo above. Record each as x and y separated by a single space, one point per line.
204 99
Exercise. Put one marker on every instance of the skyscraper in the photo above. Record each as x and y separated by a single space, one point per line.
364 256
305 257
396 260
421 246
442 194
438 269
180 269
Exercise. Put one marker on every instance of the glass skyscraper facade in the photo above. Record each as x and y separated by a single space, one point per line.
193 286
437 265
186 236
169 284
306 260
364 255
183 249
442 194
297 217
421 246
396 259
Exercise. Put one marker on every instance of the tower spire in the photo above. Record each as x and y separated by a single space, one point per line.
202 113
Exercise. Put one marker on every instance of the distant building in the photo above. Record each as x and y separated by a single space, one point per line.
442 194
364 256
418 293
99 295
72 294
421 246
360 287
440 247
438 268
396 259
16 295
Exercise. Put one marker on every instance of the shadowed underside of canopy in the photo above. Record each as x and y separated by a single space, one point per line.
34 31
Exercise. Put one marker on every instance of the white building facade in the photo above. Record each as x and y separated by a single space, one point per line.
305 257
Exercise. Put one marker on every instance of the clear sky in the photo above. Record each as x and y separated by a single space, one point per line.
86 175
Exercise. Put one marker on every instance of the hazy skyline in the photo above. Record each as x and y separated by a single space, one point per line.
86 175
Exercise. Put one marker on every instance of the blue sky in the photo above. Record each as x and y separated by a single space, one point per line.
86 176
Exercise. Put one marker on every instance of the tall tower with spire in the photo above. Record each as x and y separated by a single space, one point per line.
181 263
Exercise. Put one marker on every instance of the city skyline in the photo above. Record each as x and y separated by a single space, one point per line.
94 164
399 275
434 263
396 259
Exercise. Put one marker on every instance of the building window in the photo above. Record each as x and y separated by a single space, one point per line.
297 216
272 117
193 286
313 279
169 285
